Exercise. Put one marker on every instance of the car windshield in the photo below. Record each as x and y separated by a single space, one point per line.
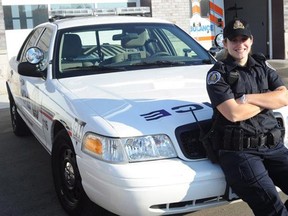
115 48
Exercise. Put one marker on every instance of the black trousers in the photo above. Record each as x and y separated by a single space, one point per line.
253 174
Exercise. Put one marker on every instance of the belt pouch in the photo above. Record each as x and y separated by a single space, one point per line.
274 136
238 137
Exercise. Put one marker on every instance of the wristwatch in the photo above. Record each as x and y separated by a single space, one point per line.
243 99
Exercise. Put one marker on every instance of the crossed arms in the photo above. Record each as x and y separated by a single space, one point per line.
237 110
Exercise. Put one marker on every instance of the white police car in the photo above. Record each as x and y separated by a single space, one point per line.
110 99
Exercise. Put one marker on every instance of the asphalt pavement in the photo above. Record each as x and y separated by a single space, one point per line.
26 184
4 102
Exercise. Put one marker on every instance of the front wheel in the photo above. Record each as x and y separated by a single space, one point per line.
67 179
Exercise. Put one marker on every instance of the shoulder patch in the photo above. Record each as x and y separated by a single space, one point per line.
213 77
269 65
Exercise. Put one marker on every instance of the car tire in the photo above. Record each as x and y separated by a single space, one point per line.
19 127
67 179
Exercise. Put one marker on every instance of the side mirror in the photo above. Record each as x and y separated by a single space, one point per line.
218 40
218 45
31 68
28 69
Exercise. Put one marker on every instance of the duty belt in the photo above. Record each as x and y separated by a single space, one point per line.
235 139
256 142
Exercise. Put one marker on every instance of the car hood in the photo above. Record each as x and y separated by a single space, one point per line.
143 101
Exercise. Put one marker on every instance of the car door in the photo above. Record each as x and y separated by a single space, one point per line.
43 90
30 87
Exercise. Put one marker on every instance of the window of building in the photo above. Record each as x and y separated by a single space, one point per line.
131 4
24 16
71 6
204 8
111 5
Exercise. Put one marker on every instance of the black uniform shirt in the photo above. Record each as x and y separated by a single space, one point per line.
228 80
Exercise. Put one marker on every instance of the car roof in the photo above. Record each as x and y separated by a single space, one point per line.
98 20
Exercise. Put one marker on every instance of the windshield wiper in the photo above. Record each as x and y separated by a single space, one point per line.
160 63
97 68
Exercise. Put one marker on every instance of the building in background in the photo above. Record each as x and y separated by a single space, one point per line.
268 20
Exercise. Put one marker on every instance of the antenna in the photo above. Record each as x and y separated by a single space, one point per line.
235 8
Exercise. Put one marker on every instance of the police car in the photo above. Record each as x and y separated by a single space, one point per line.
110 98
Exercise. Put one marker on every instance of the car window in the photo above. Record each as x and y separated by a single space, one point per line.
179 45
116 48
30 42
44 44
45 39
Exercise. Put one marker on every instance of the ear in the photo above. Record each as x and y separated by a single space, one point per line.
224 43
252 39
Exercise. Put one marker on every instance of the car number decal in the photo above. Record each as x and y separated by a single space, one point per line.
157 114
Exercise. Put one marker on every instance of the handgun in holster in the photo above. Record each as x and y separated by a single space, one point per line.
233 138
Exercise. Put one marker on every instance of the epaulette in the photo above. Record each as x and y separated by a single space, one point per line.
261 59
259 56
220 65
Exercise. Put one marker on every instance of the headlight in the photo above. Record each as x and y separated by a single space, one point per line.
132 149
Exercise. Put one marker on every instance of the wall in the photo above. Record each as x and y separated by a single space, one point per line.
176 11
256 16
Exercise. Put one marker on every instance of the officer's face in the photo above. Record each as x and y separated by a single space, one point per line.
239 48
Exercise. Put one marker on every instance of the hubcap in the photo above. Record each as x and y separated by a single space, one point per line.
69 175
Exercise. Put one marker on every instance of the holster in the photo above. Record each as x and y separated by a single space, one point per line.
233 138
210 143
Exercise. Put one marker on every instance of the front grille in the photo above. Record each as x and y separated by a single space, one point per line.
188 139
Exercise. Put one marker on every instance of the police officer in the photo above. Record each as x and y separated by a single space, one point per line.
244 89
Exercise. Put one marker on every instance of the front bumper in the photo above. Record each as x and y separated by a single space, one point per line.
154 187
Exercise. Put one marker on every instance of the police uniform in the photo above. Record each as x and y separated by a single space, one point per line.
252 158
